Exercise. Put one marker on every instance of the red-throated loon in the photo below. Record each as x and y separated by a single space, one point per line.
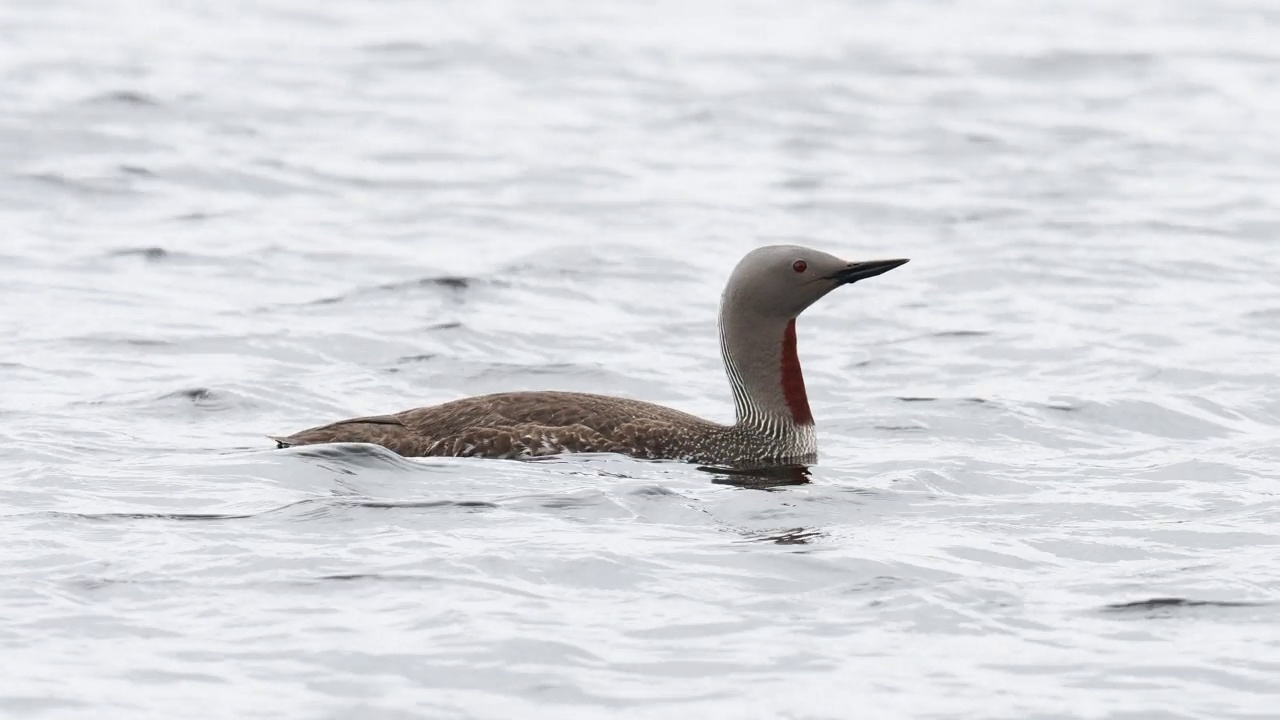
767 290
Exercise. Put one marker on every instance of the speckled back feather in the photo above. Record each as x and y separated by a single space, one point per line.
533 424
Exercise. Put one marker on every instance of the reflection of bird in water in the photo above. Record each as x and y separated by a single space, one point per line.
766 477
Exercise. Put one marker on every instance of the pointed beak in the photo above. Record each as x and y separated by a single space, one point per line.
853 272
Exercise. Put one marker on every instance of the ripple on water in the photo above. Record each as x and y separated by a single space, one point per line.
1048 445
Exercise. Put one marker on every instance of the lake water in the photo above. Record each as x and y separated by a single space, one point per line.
1049 483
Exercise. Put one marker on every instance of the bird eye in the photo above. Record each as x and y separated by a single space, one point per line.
799 266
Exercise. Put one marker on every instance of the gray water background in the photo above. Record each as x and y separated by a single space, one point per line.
1050 445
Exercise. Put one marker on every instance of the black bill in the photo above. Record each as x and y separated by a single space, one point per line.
863 270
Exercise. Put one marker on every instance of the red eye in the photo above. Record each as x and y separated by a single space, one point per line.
800 266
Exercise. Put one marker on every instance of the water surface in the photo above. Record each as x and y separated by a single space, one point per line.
1049 445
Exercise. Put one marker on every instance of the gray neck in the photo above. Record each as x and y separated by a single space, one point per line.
753 347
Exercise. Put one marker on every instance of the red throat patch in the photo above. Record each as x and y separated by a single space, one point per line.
793 379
